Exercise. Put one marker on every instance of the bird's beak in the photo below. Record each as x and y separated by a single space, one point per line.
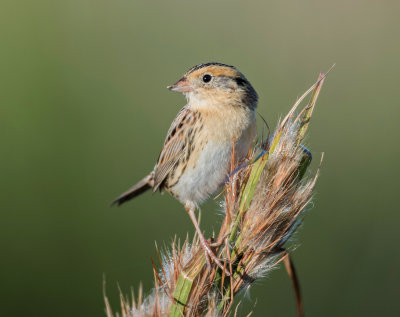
182 85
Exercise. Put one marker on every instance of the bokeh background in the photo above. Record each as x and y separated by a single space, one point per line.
84 112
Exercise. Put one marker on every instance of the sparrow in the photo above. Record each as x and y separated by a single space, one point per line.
195 160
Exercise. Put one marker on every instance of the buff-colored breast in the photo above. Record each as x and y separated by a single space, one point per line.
206 162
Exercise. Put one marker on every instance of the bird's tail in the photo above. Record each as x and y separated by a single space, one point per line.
137 189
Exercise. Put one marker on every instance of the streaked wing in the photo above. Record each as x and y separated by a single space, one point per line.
174 146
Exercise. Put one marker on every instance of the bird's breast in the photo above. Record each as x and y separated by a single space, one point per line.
206 162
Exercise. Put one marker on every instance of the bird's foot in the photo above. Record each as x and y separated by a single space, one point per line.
219 242
209 254
206 246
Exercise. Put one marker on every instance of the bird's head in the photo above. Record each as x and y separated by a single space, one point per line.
216 82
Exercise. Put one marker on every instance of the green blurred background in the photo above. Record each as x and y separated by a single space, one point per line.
84 112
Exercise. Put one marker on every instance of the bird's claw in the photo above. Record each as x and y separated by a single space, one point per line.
209 254
219 242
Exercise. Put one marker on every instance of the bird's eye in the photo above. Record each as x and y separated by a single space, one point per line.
207 78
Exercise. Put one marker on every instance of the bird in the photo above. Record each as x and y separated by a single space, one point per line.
218 119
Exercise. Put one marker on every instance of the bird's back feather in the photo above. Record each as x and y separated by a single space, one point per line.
174 145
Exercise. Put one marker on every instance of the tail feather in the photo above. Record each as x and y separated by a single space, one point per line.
137 189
